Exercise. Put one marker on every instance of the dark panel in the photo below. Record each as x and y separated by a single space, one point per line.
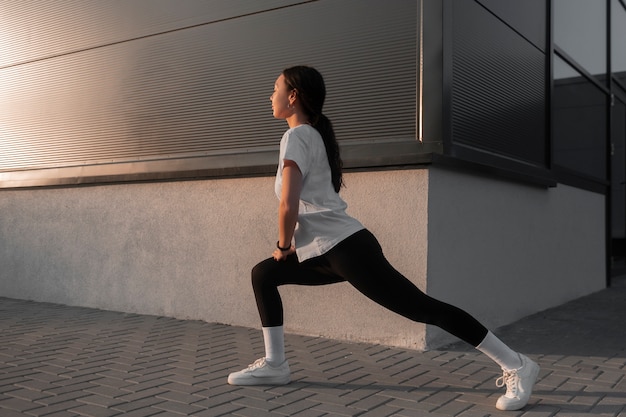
498 87
580 133
618 171
528 17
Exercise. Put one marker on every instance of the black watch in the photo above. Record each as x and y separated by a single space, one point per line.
282 249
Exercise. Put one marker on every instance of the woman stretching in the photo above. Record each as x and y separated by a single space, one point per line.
318 243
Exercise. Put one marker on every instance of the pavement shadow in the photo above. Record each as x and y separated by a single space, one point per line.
591 326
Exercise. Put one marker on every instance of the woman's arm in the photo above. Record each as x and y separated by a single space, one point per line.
288 208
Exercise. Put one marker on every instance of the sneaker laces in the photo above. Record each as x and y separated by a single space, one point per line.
259 363
508 378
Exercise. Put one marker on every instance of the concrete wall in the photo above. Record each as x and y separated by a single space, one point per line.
503 250
185 249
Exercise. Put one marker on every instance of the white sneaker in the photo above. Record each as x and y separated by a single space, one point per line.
519 385
262 373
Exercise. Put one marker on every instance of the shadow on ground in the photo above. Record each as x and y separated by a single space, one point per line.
593 325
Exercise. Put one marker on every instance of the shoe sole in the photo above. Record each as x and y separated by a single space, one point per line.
260 381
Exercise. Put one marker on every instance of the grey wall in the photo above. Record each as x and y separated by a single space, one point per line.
503 250
185 249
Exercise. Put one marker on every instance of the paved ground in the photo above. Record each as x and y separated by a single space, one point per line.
66 361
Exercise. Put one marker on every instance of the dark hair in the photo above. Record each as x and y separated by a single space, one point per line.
311 91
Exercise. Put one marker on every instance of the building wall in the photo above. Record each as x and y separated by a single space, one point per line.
94 91
503 250
185 249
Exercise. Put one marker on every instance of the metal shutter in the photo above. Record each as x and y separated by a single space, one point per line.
97 83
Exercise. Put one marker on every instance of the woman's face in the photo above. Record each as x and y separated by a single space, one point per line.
281 99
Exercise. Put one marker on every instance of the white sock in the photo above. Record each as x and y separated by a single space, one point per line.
274 339
499 352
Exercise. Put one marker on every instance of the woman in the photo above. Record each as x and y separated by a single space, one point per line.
318 243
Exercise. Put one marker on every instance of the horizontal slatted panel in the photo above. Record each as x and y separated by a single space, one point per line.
39 29
498 87
205 90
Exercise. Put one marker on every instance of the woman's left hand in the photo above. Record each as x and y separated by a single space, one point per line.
281 255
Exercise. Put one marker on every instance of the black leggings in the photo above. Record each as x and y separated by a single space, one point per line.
360 261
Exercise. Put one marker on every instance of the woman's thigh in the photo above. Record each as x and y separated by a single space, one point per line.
360 261
314 271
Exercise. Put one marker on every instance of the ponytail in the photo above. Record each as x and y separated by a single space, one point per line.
324 126
312 92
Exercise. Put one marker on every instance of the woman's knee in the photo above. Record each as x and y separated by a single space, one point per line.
271 273
261 272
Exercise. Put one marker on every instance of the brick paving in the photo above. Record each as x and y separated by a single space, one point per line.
69 361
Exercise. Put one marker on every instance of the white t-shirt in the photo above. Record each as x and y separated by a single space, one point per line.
322 219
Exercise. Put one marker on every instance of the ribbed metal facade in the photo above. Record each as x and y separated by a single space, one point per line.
498 86
93 82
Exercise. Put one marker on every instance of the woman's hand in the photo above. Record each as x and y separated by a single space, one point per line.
281 255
